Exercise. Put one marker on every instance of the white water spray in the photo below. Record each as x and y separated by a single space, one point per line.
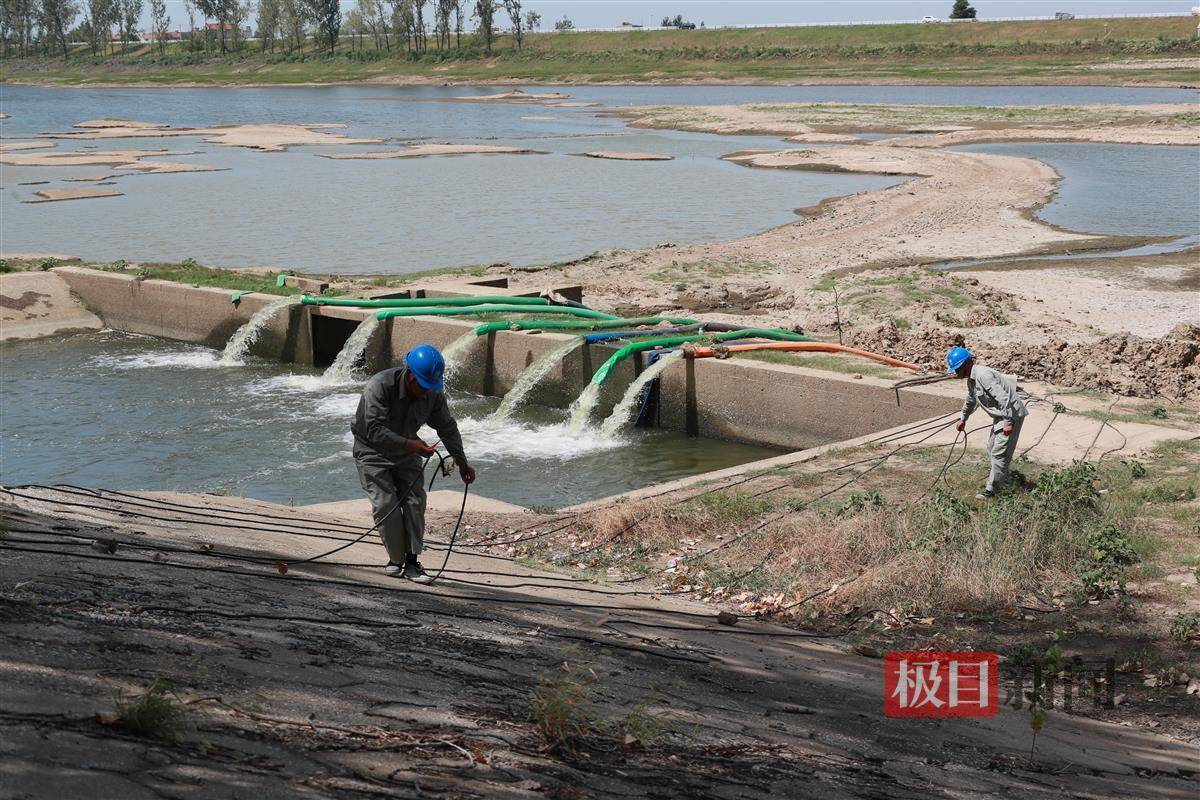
238 346
530 377
620 413
581 409
344 368
454 351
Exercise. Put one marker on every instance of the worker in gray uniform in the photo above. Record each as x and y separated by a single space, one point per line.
390 456
987 389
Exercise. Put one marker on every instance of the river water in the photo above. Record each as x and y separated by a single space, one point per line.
296 210
121 411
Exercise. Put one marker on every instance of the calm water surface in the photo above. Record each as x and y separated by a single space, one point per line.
295 209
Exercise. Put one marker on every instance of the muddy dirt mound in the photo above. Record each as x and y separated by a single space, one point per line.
1125 364
1122 363
924 346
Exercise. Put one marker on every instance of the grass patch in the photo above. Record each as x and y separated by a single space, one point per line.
565 710
684 273
190 272
157 714
999 52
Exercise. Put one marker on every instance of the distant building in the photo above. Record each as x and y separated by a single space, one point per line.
628 26
215 28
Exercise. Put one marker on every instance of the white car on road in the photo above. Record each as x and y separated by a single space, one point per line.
927 20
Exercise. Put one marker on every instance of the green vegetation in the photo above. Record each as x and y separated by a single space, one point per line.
730 508
1002 52
1080 530
684 273
566 712
188 271
157 714
1186 625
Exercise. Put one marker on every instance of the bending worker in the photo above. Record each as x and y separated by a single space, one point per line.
987 389
390 456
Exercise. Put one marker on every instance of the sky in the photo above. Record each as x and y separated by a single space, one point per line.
611 13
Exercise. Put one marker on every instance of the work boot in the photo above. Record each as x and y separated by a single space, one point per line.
393 569
416 573
986 494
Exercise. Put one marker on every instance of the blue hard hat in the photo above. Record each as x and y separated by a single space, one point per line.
427 366
957 357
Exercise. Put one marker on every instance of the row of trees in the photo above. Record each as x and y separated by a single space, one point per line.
27 26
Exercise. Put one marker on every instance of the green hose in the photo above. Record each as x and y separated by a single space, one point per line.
553 324
466 311
422 302
625 352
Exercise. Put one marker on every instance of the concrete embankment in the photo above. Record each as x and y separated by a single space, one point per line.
736 400
34 305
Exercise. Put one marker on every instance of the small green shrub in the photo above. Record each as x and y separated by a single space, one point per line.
1158 412
1136 468
858 502
189 263
1186 625
48 263
157 714
1109 552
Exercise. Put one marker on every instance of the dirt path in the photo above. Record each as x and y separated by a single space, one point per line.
337 681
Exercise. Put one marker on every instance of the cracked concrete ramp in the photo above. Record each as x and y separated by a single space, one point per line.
334 680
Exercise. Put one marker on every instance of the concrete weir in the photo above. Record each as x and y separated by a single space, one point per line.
737 400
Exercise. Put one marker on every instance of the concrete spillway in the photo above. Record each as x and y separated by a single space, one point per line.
737 400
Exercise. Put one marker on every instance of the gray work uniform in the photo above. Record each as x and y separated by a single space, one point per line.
987 389
386 419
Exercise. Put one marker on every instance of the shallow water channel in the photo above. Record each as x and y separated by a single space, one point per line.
131 412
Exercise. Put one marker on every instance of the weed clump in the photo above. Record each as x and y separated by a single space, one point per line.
567 715
157 714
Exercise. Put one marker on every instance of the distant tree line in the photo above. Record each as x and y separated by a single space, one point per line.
29 27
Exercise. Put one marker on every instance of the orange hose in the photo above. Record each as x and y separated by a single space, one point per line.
810 347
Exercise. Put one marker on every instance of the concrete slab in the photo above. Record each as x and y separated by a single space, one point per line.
34 305
359 510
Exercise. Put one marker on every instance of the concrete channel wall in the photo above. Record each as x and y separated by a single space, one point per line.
735 400
186 313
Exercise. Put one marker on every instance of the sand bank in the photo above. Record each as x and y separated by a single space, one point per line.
1147 297
140 160
264 138
515 96
618 155
1171 123
56 195
12 147
426 150
1122 134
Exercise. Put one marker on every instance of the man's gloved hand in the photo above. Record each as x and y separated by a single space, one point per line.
467 473
419 447
961 426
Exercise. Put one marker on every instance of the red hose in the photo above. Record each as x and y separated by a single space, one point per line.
810 347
